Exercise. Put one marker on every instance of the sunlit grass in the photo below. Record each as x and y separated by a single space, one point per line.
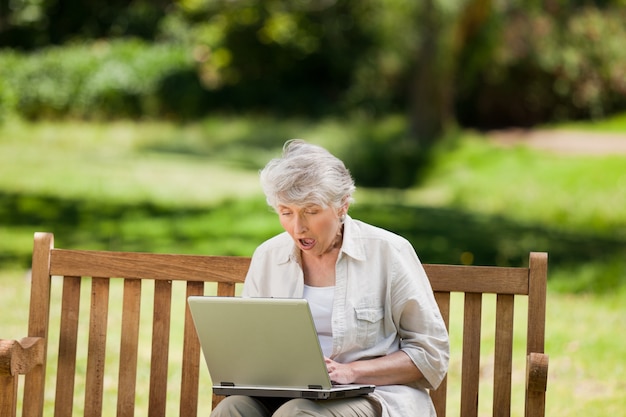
578 192
110 162
612 124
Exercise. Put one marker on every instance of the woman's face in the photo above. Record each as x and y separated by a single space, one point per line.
314 229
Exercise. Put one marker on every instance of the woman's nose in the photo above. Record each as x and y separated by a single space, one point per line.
300 226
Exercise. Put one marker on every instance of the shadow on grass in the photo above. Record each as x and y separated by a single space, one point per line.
456 236
231 228
237 227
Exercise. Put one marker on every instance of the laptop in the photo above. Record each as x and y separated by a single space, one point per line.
264 347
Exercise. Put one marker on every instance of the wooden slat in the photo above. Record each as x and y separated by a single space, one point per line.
191 358
443 301
537 302
8 395
148 265
225 289
439 396
535 404
483 279
470 369
128 348
68 341
96 353
535 340
503 356
38 322
160 348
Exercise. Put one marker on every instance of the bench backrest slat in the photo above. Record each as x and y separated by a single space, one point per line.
129 345
68 341
148 266
470 370
479 279
160 347
503 354
439 396
96 353
191 359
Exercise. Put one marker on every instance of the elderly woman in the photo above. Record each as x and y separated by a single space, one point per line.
372 304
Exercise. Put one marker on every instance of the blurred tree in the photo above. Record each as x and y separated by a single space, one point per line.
540 61
291 57
29 24
444 62
4 15
446 36
430 108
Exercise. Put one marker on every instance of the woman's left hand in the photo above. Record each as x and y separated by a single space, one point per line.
339 373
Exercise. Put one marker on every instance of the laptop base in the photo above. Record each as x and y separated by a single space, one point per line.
340 391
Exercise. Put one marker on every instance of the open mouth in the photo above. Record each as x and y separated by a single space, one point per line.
307 243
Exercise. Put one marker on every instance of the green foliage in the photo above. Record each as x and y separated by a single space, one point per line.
588 61
125 78
289 57
571 66
32 24
383 154
8 95
490 66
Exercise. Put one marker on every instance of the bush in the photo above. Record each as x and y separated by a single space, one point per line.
587 60
570 67
8 64
382 154
128 79
49 82
123 78
295 58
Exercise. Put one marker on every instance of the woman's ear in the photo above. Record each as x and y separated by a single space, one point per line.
343 210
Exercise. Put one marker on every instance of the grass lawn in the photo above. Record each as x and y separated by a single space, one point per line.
586 354
193 189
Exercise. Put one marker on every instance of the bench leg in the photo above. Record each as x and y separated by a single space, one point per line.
8 396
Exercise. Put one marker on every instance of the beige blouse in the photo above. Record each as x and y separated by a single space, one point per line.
383 302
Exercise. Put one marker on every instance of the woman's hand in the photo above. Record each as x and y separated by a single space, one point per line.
339 373
396 368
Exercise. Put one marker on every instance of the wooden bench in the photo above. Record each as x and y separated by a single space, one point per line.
99 273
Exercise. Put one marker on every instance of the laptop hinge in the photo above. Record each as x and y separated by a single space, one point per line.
315 387
227 384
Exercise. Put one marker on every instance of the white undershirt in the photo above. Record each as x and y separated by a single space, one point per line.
321 303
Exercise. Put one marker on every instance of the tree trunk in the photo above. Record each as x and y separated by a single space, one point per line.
442 42
430 109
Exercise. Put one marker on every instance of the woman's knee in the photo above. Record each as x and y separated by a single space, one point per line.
239 406
298 407
353 407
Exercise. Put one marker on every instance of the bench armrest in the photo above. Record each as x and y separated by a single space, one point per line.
20 356
537 372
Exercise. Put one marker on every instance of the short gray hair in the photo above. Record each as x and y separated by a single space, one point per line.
306 174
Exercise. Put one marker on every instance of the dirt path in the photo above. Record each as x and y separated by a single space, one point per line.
564 141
